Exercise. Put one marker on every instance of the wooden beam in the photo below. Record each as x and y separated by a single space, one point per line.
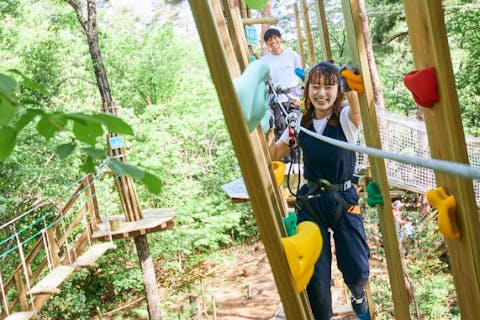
260 20
257 173
428 38
323 27
308 33
299 35
372 138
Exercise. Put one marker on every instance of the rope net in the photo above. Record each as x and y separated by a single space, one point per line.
400 134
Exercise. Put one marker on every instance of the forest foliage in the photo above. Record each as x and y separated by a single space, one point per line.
169 109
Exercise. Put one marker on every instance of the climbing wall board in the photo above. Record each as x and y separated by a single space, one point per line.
250 150
428 39
353 25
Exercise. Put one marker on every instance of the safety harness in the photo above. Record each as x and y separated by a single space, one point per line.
322 185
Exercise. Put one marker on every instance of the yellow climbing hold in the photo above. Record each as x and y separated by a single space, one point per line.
446 206
279 171
302 251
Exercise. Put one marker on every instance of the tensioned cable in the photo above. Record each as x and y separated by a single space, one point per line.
41 204
100 168
47 227
448 167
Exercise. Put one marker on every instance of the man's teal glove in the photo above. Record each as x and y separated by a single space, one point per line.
350 79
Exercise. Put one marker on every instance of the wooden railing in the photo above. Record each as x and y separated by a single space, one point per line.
53 257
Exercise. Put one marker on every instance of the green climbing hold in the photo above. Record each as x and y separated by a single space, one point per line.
290 223
252 94
374 194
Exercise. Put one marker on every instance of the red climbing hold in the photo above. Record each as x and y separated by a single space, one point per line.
423 85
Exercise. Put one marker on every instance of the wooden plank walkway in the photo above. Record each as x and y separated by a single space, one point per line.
21 315
50 284
53 280
90 257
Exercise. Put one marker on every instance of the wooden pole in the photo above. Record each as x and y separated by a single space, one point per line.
322 25
299 35
261 20
429 41
255 165
308 33
372 138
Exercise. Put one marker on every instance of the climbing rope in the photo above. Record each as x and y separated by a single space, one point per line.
25 270
67 245
4 296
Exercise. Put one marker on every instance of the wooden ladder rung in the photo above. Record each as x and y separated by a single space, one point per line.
24 315
89 258
50 284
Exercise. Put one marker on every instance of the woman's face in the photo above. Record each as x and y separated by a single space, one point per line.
322 96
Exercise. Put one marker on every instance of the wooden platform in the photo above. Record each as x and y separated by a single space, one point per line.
236 191
25 315
153 220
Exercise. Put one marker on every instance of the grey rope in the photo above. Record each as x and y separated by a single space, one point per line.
448 167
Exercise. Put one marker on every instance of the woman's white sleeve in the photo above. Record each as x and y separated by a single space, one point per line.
349 128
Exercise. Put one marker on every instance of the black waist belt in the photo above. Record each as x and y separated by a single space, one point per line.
324 185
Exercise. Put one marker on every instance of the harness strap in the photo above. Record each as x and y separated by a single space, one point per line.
325 186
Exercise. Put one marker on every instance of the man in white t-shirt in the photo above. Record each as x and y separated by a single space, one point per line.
283 80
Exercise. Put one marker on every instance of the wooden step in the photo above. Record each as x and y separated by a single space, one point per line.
50 284
90 257
25 315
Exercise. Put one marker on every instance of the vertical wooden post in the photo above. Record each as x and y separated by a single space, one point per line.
22 293
53 247
372 138
308 33
428 38
92 203
255 164
322 25
301 50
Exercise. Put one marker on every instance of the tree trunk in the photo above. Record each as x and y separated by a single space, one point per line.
149 278
125 186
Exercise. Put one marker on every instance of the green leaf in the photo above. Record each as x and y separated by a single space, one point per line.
66 149
114 123
7 84
121 168
8 138
7 111
94 153
47 126
28 116
87 130
88 166
153 184
29 83
256 4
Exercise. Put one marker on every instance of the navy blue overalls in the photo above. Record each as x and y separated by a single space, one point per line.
325 161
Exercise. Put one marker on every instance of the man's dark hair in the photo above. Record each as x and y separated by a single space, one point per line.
271 33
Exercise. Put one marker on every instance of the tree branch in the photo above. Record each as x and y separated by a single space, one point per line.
78 11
